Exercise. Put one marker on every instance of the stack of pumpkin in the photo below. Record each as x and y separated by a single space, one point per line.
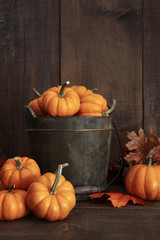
23 189
70 101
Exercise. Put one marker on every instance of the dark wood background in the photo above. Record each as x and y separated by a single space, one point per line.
113 45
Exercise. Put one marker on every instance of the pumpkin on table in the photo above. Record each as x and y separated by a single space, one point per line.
13 204
61 101
51 197
143 180
21 171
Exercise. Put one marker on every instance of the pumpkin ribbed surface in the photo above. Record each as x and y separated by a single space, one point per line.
81 90
36 105
13 204
22 176
47 205
66 105
92 105
144 181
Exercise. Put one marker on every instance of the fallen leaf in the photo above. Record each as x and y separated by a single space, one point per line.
118 199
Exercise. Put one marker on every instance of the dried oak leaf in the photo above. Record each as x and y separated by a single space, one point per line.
118 199
133 144
140 146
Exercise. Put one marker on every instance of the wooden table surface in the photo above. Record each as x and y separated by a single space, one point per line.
96 219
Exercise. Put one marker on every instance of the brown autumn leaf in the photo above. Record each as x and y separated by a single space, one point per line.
133 144
118 199
140 146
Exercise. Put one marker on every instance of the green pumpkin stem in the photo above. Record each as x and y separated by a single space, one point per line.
63 166
19 164
111 108
11 188
61 93
149 162
94 90
36 92
53 190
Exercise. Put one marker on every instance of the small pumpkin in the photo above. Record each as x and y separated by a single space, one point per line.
21 171
143 181
82 90
94 105
36 105
61 101
51 197
13 204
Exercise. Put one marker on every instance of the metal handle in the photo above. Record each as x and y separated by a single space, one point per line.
29 113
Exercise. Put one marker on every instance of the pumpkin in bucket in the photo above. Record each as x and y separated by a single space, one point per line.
36 105
82 90
94 104
61 101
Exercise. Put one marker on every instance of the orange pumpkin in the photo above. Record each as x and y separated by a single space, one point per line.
51 197
13 204
61 101
94 105
82 90
143 181
21 171
36 105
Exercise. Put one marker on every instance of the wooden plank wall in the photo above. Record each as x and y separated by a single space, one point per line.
11 76
109 44
151 65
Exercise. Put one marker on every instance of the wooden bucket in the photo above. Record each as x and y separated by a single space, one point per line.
83 142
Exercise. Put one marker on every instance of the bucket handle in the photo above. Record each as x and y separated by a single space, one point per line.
29 112
85 190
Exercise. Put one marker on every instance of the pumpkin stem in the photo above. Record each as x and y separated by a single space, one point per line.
149 162
94 90
63 166
55 184
111 108
36 92
11 188
61 93
19 164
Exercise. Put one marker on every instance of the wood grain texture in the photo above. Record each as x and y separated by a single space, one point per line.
29 59
101 46
41 46
11 76
151 65
90 220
